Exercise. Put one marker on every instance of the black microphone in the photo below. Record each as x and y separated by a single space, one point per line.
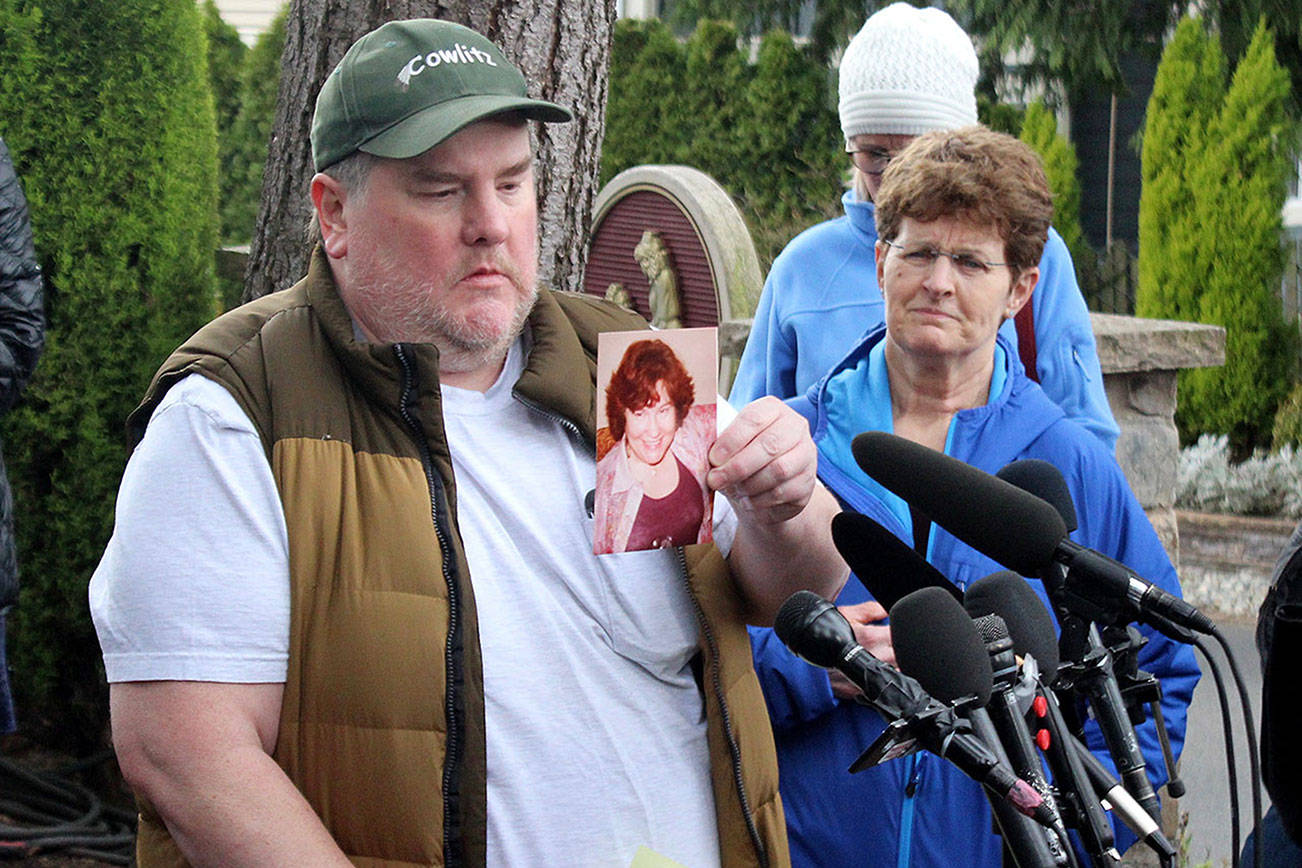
884 563
1012 526
1045 481
1076 770
936 642
816 632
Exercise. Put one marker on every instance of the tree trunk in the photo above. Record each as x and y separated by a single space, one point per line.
563 48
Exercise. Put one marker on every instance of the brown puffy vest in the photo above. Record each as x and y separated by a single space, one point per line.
382 722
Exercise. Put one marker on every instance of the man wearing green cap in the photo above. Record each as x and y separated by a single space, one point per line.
350 611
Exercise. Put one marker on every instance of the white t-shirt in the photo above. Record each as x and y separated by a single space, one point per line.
595 726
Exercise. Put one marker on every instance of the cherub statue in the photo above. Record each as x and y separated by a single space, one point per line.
653 257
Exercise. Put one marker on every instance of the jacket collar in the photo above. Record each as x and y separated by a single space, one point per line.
863 215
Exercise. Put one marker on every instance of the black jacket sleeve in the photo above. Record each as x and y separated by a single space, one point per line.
1279 639
22 317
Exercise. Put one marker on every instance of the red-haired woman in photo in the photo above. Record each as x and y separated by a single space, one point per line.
651 490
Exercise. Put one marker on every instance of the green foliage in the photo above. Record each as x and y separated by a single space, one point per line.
645 119
790 168
1211 231
225 64
1188 91
714 102
767 133
1287 430
109 115
998 116
1040 131
250 134
831 23
1076 43
225 61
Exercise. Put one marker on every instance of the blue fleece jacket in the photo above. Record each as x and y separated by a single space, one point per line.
919 810
821 298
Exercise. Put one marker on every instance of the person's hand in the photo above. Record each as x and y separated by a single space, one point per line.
875 637
764 462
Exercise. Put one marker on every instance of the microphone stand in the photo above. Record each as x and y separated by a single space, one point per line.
1140 688
1012 733
1024 839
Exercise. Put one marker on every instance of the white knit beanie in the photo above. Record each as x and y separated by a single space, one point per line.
908 71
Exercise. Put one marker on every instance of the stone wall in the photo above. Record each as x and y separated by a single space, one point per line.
1140 360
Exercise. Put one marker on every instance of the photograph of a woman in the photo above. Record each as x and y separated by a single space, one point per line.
652 458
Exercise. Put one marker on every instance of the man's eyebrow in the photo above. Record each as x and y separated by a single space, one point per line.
434 176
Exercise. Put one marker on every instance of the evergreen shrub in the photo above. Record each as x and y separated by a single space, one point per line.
767 132
1040 131
226 54
109 115
245 146
1215 172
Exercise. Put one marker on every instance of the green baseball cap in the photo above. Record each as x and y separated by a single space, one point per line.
408 85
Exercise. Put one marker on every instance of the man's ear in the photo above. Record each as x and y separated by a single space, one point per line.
328 197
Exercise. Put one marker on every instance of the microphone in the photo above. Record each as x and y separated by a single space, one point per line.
817 633
936 642
1012 526
884 563
1045 481
1077 771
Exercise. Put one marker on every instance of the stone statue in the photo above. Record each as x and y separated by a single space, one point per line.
653 257
619 295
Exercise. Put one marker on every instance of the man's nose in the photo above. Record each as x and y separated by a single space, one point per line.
485 219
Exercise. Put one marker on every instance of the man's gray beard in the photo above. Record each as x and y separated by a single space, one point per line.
461 349
461 353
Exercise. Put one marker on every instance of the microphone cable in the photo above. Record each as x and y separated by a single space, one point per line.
1250 728
46 812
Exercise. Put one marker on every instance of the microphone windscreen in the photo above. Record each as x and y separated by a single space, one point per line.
998 519
1009 596
884 563
813 629
1044 481
937 644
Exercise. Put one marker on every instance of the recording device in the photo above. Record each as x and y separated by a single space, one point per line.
1015 528
884 563
937 642
816 632
1078 772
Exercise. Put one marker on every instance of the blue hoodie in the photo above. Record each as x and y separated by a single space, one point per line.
919 810
821 298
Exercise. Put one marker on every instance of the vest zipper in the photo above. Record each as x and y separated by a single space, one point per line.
564 421
451 655
734 750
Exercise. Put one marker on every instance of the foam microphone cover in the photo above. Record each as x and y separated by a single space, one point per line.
1009 596
813 629
1044 481
884 563
937 644
998 519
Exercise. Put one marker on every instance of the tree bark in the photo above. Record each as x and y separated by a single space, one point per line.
563 48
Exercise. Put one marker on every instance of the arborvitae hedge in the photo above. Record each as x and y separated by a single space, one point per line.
1215 175
767 132
1188 91
250 133
108 112
1040 131
1240 182
225 64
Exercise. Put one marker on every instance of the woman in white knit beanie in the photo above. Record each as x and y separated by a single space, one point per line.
907 72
